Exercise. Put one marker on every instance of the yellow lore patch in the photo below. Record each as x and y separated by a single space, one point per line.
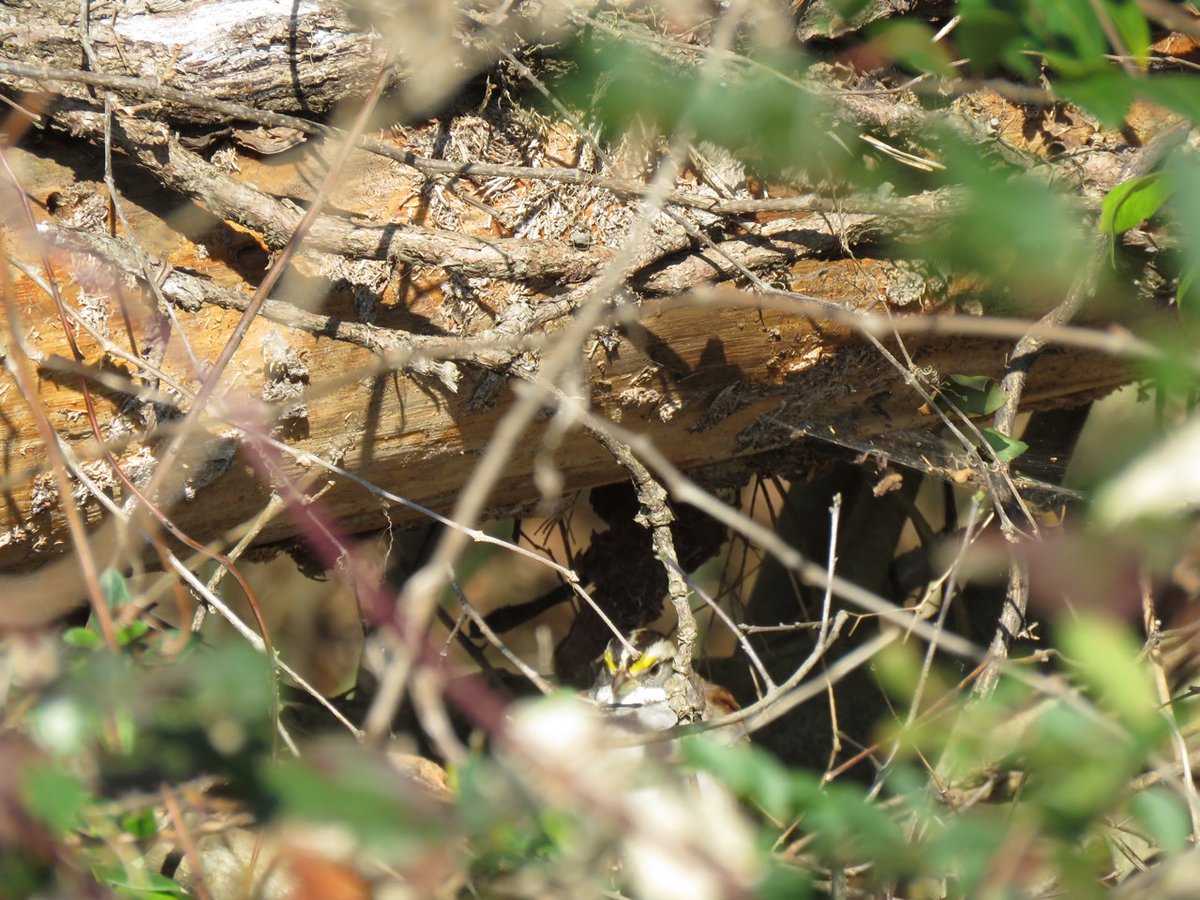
642 663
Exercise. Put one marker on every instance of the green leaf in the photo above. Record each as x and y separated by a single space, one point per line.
116 591
1132 202
131 632
319 797
142 825
783 882
1177 93
911 44
1006 448
975 395
1161 813
141 883
988 36
1184 210
1011 231
1106 95
967 846
1073 36
1070 36
1077 767
843 821
747 771
1131 24
82 638
757 111
898 668
846 825
1187 295
1106 657
54 796
343 782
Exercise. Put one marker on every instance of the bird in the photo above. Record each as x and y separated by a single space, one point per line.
632 692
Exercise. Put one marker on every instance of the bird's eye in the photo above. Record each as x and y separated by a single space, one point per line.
655 669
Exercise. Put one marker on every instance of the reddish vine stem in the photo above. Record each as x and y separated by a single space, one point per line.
49 436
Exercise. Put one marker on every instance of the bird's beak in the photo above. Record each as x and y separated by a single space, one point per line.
622 684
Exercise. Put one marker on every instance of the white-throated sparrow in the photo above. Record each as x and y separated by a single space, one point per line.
631 689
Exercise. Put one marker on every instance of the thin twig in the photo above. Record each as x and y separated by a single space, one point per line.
835 515
18 362
727 620
492 638
213 377
257 642
927 205
1186 784
1025 353
656 515
430 706
950 585
272 508
183 833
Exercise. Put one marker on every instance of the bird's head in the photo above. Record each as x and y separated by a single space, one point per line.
638 678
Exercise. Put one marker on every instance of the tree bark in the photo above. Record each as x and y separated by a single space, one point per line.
385 350
279 57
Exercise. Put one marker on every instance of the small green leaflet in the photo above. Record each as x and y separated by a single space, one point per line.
82 638
1006 448
911 44
139 883
1132 202
1187 295
1162 814
140 825
1131 24
974 395
116 591
53 796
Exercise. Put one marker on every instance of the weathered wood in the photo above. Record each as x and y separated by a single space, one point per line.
374 355
302 58
664 377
